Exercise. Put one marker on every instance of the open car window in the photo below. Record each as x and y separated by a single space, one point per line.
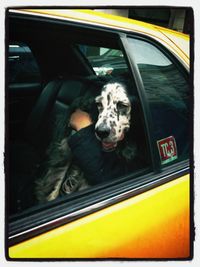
105 61
23 67
38 155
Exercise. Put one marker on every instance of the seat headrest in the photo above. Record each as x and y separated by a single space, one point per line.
70 90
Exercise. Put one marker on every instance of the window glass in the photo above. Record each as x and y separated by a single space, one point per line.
23 67
167 91
105 61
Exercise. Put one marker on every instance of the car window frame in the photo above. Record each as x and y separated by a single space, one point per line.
142 92
27 52
25 227
89 62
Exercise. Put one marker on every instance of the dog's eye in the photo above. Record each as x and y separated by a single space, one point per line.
99 106
122 106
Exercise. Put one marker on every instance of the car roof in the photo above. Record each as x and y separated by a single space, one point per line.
175 41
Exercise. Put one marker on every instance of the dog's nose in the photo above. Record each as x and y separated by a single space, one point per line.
102 132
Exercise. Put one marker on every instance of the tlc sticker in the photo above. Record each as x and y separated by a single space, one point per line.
167 149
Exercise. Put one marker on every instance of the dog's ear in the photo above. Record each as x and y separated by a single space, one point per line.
133 100
127 151
83 103
134 108
128 148
75 104
86 104
89 105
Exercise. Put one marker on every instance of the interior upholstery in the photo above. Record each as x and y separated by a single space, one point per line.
42 126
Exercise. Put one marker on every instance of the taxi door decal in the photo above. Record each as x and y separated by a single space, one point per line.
167 149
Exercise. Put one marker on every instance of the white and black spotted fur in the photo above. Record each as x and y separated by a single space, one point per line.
114 115
114 108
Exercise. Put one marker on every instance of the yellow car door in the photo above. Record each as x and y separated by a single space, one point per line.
154 224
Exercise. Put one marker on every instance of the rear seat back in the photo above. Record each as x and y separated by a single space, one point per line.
47 121
52 108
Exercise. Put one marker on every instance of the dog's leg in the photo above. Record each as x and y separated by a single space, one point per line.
57 163
74 181
48 187
61 175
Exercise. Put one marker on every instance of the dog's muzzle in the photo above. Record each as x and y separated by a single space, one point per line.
102 133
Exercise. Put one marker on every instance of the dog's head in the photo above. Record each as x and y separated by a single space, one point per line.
114 115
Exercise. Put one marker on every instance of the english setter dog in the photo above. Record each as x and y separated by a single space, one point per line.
113 122
114 115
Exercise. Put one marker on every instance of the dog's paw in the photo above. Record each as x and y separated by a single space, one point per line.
74 181
54 194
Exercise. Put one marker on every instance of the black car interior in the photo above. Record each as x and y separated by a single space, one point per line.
33 108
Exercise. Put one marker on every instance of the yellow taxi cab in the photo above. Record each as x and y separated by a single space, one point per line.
53 57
